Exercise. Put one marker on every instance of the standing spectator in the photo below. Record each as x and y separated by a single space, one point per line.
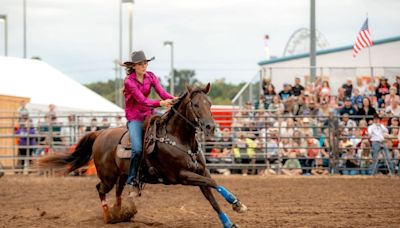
348 87
265 84
104 123
93 125
367 110
69 131
357 99
269 95
348 108
382 91
118 122
377 133
392 96
23 112
52 114
297 88
285 93
26 142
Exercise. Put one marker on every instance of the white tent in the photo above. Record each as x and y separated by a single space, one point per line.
46 85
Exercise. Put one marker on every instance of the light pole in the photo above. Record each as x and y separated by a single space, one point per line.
313 51
4 18
172 84
118 80
24 27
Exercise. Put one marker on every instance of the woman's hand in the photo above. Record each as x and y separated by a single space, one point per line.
166 103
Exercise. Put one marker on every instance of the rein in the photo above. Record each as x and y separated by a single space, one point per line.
186 119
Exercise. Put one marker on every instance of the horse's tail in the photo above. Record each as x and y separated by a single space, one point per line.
80 157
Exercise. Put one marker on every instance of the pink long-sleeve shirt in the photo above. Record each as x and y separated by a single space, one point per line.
137 104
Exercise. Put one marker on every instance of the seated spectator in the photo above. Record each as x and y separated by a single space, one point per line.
325 92
394 123
367 110
313 150
276 108
348 87
311 108
363 126
243 150
351 161
286 93
357 100
393 109
118 122
392 96
261 103
397 84
299 106
356 137
364 153
292 166
348 108
319 169
348 123
381 91
340 98
272 152
362 87
23 113
306 127
324 112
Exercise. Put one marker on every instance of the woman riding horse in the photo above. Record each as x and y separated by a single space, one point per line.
176 155
137 87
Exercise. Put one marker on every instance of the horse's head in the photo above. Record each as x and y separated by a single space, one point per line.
197 109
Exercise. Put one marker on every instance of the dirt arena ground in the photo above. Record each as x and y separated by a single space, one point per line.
30 201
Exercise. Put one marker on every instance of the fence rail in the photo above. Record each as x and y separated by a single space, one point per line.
246 144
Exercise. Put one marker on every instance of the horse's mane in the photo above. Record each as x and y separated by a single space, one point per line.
182 96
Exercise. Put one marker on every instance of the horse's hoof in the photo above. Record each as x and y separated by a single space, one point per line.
235 226
239 207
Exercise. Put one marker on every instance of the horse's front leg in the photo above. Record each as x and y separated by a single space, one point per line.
205 183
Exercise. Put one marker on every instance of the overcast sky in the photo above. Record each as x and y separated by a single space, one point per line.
216 38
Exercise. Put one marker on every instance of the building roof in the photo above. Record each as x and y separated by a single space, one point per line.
45 85
324 52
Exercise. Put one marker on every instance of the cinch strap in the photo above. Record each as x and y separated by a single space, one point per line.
226 194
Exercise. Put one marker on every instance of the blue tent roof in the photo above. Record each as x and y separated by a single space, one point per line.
323 52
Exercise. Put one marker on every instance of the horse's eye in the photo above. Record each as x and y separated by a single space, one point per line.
196 105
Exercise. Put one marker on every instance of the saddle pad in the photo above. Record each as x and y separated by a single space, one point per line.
123 152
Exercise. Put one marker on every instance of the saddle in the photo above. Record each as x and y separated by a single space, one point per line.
124 147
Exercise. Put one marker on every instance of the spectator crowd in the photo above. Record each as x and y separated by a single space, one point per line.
310 130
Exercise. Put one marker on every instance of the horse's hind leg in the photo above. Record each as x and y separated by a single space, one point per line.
103 189
119 189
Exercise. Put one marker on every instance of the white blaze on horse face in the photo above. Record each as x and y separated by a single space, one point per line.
104 203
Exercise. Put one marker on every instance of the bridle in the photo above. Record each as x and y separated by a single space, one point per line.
196 125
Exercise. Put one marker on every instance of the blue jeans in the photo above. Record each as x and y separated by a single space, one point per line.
136 134
376 147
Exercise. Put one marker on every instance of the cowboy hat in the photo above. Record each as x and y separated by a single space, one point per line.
137 57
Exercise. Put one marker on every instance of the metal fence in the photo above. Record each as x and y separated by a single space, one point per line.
247 142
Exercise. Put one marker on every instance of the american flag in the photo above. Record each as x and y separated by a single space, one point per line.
363 39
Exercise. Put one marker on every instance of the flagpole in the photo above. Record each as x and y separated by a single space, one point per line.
369 57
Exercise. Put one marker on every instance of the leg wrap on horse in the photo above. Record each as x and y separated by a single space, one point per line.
226 194
225 220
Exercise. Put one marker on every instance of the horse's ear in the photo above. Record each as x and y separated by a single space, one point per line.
188 89
207 89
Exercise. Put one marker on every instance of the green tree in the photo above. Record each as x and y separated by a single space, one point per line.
182 78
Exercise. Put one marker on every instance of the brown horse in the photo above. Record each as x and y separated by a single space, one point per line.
172 155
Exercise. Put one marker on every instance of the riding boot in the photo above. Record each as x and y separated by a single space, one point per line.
132 179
